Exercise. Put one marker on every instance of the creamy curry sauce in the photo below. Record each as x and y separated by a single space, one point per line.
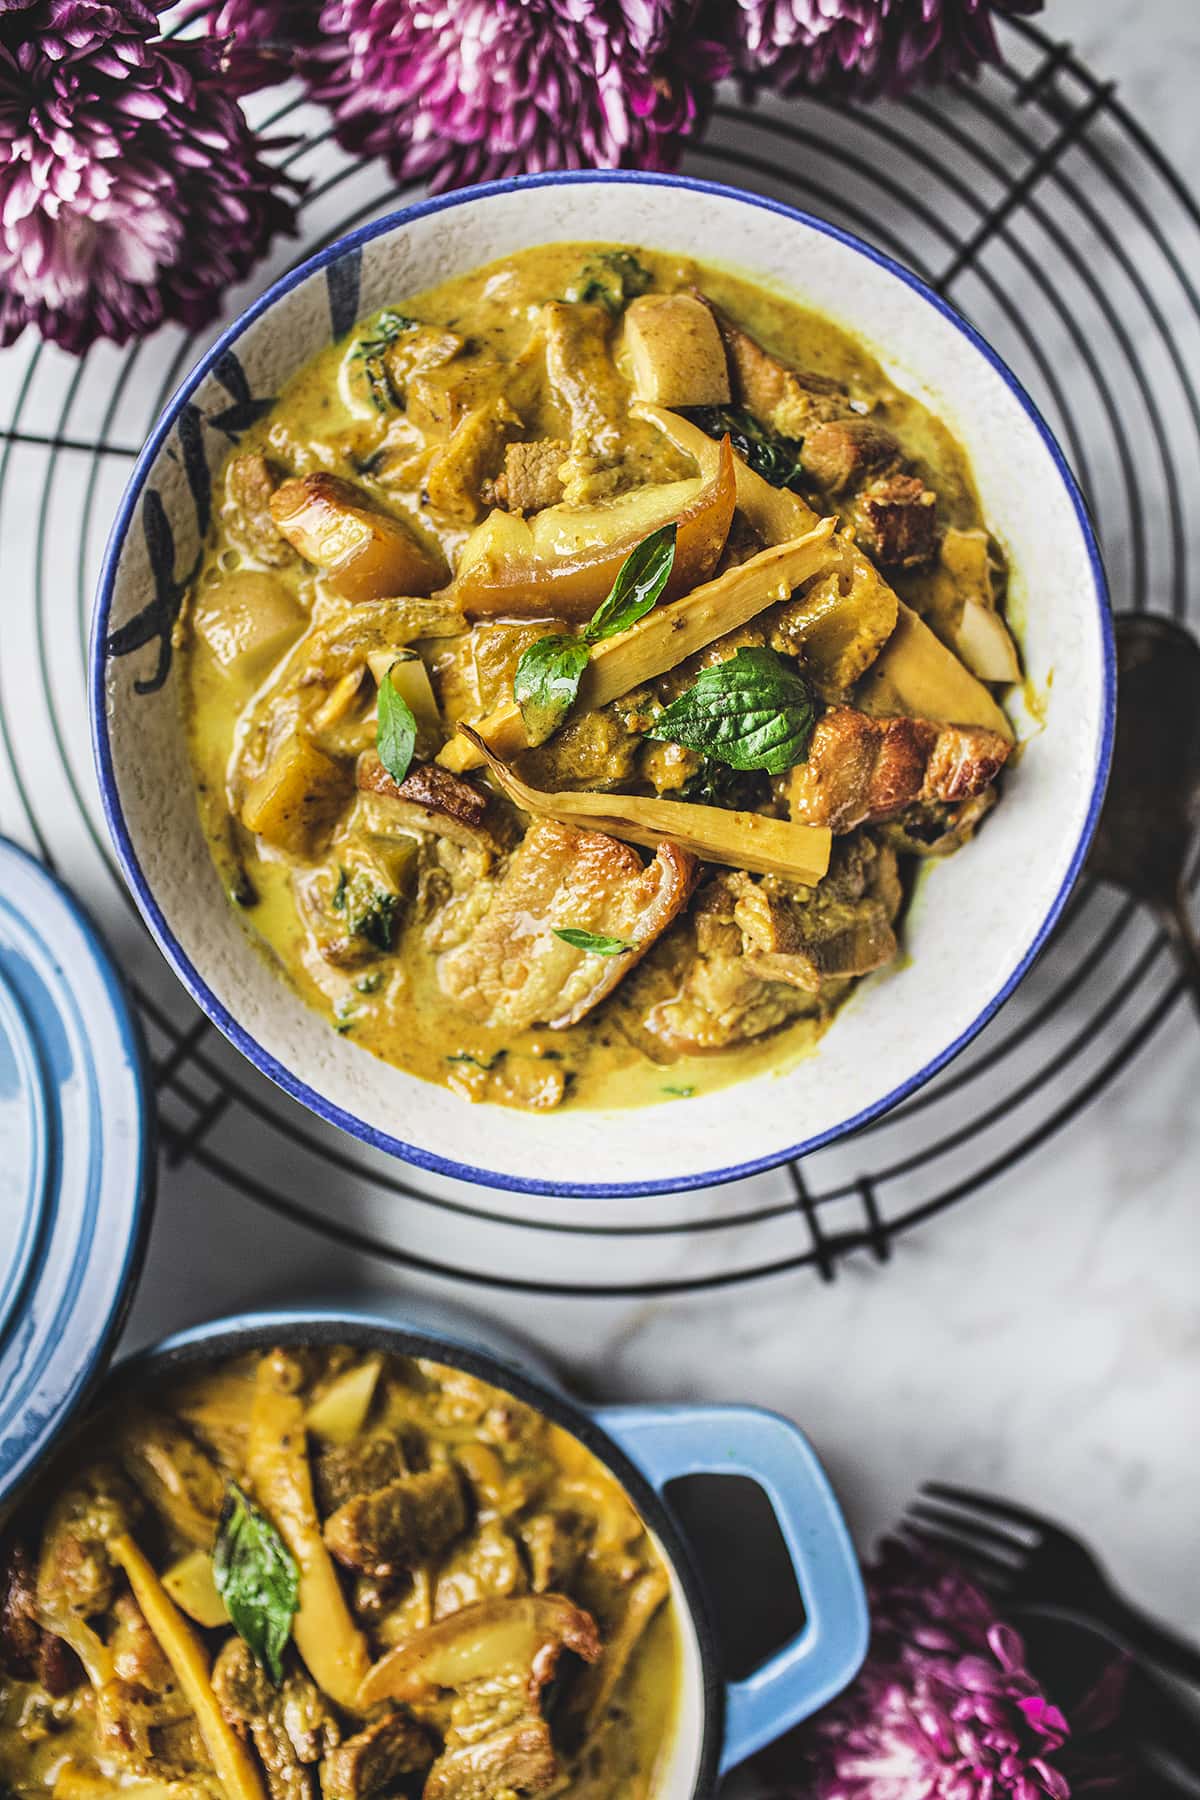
425 410
482 1612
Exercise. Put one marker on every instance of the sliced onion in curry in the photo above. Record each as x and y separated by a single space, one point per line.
504 570
664 638
512 1632
743 840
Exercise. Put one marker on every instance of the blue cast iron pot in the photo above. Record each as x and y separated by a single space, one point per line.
718 1723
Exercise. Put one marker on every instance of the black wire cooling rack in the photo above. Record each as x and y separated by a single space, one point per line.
1046 213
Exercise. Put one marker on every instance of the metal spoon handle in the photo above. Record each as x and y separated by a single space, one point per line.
1176 921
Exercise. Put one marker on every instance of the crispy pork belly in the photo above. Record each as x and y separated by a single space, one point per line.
513 972
860 769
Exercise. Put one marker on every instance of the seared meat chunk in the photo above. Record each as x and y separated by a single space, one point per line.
362 1466
806 942
179 1480
514 972
861 769
27 1652
764 951
488 1564
896 521
410 352
791 400
931 829
430 798
531 479
409 1520
712 999
291 1727
376 1758
518 1759
841 453
249 483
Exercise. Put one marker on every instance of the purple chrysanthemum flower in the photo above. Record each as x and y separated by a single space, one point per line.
131 188
459 90
862 48
946 1708
261 41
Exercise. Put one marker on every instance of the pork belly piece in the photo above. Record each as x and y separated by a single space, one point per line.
430 798
27 1651
792 400
860 769
714 1000
828 936
895 519
841 453
762 951
513 972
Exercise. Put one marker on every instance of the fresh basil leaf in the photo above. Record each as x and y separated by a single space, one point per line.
640 580
257 1579
396 730
680 1093
547 681
752 712
593 941
548 675
768 453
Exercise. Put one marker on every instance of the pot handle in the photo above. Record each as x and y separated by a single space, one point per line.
668 1441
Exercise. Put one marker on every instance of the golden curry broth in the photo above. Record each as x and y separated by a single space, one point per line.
169 1460
407 1020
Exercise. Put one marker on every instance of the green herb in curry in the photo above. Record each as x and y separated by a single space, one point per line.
549 672
594 941
775 457
752 711
257 1578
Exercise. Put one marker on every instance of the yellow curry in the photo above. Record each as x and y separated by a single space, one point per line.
327 1574
585 653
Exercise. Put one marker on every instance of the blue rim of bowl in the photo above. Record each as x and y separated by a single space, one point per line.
77 1377
168 943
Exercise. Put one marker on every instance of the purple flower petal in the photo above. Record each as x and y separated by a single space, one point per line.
131 188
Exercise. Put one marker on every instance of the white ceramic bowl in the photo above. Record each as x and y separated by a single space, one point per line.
978 922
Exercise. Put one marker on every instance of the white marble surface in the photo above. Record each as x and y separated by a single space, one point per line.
1041 1339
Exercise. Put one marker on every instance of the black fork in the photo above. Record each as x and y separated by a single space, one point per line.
1024 1558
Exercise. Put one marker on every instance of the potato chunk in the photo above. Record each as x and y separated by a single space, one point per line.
247 620
364 552
297 796
676 352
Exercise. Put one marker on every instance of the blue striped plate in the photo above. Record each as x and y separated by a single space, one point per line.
76 1158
